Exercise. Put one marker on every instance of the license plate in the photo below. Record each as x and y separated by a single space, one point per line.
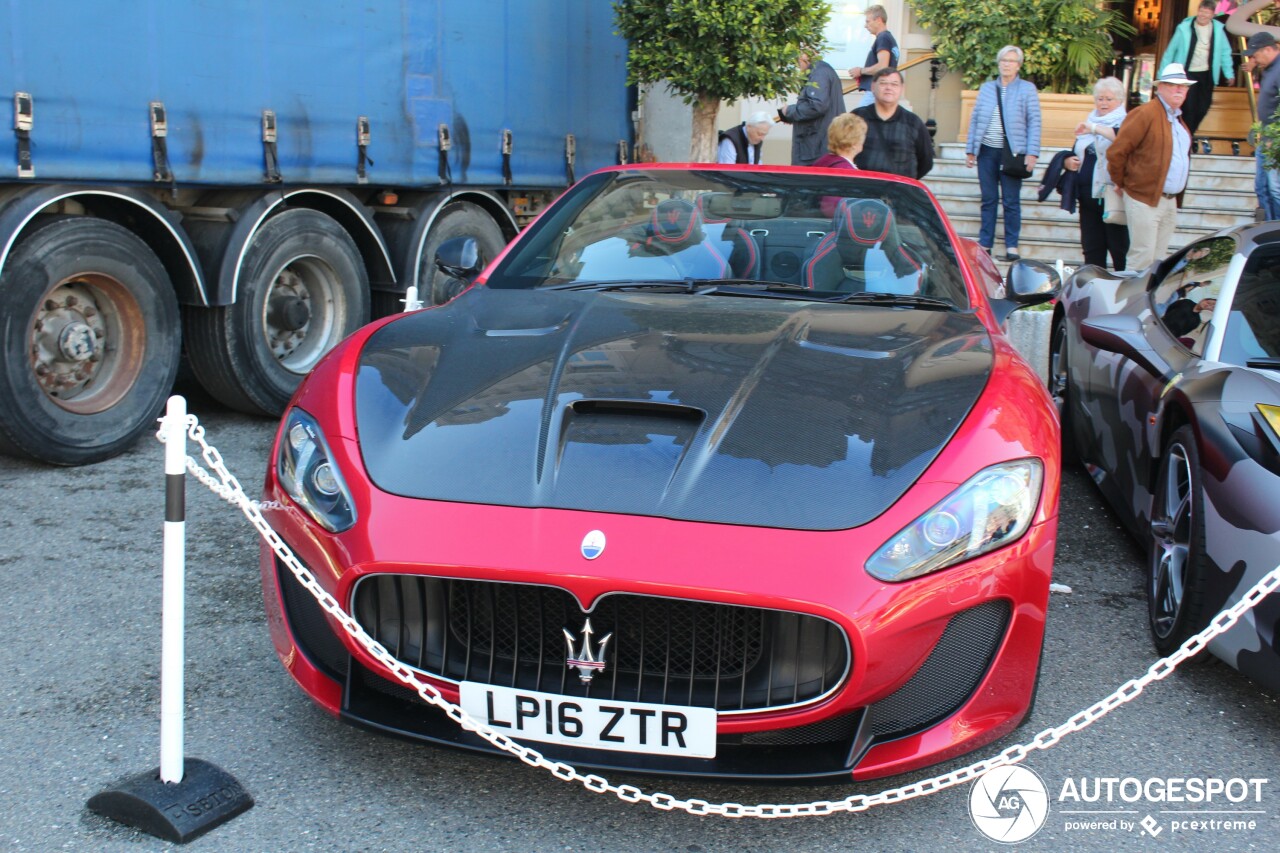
593 723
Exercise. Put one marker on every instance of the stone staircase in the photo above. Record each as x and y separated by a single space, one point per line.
1219 196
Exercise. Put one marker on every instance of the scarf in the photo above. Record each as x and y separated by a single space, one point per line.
1100 145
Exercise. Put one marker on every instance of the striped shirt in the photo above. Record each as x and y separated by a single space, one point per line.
994 137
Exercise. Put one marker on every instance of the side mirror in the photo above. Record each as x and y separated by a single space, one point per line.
459 257
1027 283
1122 334
1032 282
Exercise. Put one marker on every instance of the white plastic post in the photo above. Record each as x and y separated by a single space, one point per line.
172 654
411 300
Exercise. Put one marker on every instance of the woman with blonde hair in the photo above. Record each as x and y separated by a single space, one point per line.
845 138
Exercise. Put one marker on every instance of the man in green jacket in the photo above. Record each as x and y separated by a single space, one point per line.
1149 163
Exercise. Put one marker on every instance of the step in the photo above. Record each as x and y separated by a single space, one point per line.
1238 180
1220 195
1048 214
1241 200
1218 162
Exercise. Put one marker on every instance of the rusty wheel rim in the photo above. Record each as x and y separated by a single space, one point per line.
87 343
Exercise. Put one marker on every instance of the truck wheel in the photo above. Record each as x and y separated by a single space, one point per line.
89 324
303 287
458 219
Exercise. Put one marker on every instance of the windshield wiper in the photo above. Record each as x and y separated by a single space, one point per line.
1265 363
896 300
630 284
700 286
752 283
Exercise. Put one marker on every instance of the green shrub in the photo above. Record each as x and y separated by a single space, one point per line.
1066 42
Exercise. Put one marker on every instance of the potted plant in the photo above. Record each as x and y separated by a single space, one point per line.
1066 42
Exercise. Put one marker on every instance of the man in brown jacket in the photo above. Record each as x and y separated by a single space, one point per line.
1149 163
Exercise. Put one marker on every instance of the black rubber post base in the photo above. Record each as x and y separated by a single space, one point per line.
206 797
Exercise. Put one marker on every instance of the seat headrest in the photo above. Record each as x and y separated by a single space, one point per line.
862 224
675 222
865 221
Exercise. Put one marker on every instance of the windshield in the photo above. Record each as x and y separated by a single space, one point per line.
758 232
1253 327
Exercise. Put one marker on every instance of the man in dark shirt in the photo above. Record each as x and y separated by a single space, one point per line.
897 140
820 101
883 53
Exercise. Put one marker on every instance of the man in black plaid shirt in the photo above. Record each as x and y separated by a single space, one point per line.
897 140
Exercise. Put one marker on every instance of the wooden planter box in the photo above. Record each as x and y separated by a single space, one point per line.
1059 115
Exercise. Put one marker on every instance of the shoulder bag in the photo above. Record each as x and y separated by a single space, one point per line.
1013 165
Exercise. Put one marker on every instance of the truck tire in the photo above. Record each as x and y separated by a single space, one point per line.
303 287
90 331
457 219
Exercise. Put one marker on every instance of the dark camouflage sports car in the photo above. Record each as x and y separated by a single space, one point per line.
1168 384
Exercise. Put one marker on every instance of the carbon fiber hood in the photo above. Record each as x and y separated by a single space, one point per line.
765 412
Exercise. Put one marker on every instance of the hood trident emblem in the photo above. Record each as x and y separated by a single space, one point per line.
586 660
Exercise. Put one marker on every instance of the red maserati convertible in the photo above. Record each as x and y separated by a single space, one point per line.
714 471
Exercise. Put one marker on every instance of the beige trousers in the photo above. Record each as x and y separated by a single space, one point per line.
1150 230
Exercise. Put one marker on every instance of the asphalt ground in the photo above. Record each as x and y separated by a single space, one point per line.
81 549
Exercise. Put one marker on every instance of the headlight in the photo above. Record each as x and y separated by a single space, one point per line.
307 472
989 511
1271 414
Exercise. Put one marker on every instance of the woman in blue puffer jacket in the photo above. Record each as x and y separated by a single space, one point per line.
1007 111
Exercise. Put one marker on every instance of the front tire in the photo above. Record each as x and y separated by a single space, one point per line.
1176 573
89 324
303 287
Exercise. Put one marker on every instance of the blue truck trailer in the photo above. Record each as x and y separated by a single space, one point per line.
246 183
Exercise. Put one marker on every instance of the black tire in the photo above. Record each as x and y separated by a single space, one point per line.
1176 573
1060 389
457 219
89 324
303 288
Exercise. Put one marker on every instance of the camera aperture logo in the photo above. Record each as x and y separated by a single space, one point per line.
1009 804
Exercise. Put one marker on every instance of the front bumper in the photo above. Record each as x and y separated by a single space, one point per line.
939 666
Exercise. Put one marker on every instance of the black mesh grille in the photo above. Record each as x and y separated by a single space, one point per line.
310 628
659 650
833 730
948 676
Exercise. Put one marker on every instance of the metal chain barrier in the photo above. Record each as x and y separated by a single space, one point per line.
228 488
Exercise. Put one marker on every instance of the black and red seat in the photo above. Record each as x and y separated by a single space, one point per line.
862 252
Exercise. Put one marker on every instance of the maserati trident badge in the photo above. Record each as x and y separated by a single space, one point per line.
586 661
593 544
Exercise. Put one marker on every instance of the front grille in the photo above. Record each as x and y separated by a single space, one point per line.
832 730
661 650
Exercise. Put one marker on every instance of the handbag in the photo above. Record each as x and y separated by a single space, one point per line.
1012 164
1113 206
